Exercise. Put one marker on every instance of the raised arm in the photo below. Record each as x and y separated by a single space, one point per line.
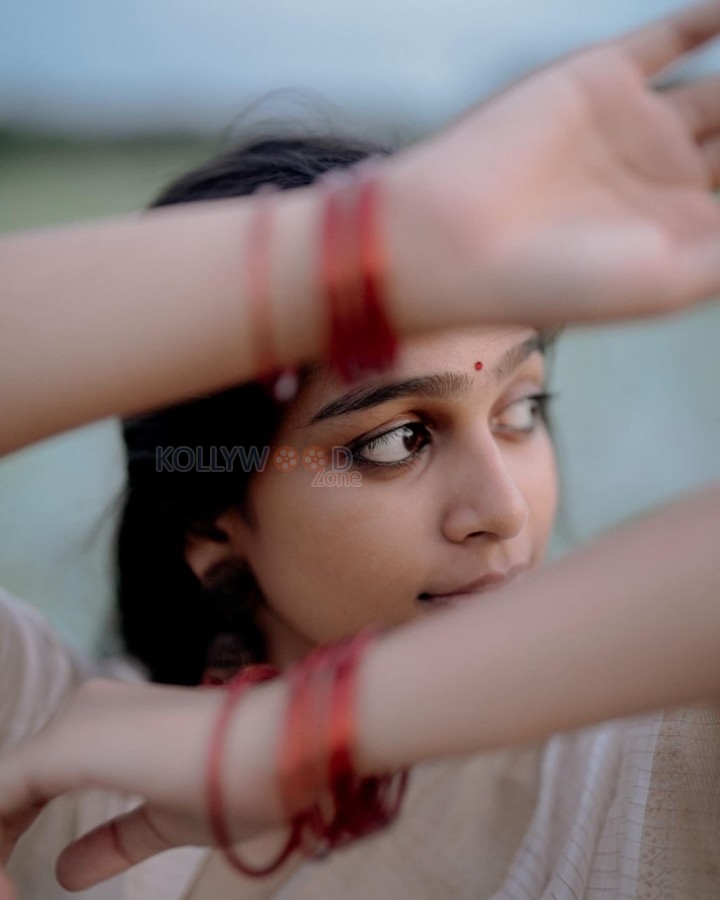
579 193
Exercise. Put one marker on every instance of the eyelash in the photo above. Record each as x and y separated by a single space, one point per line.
539 413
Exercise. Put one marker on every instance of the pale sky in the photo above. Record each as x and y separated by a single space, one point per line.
119 65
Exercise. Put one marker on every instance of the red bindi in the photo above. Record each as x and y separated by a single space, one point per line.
478 366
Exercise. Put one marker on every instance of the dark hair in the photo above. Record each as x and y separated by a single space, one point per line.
168 620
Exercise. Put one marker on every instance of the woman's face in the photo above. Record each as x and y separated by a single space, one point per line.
452 483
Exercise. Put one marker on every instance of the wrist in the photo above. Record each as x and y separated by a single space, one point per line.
301 325
330 281
438 263
251 780
319 789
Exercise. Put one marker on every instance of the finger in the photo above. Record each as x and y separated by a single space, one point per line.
110 849
698 104
657 45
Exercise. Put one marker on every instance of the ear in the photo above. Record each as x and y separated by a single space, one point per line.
208 544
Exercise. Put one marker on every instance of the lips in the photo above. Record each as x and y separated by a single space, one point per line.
488 582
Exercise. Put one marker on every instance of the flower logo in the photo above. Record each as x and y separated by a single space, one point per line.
286 459
314 458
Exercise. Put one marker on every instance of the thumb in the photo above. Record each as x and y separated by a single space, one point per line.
110 849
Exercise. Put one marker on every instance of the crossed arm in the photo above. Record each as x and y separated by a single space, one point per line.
600 207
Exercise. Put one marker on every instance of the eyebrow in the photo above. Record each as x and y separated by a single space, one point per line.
438 386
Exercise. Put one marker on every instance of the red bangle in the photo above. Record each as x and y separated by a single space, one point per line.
352 270
280 383
326 802
362 339
316 757
380 339
236 688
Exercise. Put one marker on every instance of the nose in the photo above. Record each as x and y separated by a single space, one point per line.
484 496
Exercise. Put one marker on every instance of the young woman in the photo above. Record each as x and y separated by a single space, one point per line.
456 497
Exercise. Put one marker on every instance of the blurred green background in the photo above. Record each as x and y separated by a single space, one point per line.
52 179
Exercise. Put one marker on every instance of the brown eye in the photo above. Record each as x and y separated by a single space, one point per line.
394 447
522 415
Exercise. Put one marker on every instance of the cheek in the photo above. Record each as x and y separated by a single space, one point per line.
330 559
298 522
540 480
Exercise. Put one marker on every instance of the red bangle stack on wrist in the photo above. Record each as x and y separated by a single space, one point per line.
362 339
316 757
328 804
351 274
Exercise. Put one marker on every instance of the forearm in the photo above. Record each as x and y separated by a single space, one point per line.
629 624
115 317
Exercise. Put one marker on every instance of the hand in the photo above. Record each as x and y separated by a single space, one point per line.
145 740
579 193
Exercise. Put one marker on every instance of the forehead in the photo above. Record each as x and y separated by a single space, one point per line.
456 351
